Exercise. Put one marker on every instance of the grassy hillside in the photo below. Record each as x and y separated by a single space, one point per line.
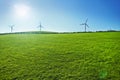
82 56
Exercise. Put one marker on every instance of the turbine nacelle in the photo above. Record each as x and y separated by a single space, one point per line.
11 27
40 26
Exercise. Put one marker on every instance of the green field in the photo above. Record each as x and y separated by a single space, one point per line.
79 56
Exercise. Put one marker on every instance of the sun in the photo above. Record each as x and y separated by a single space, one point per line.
21 10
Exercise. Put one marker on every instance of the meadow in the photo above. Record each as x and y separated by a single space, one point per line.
78 56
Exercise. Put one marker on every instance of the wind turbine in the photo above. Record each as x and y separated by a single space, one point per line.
85 24
11 27
40 26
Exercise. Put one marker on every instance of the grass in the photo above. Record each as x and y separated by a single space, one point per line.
79 56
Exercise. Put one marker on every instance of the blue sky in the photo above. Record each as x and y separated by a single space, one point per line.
60 15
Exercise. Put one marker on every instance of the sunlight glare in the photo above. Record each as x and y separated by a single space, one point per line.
21 10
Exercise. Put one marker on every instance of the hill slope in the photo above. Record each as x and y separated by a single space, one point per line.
31 32
83 56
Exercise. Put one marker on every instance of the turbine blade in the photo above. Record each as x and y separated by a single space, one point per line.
87 25
13 25
86 20
82 24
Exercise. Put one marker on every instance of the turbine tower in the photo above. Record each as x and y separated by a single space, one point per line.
11 27
40 26
85 24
